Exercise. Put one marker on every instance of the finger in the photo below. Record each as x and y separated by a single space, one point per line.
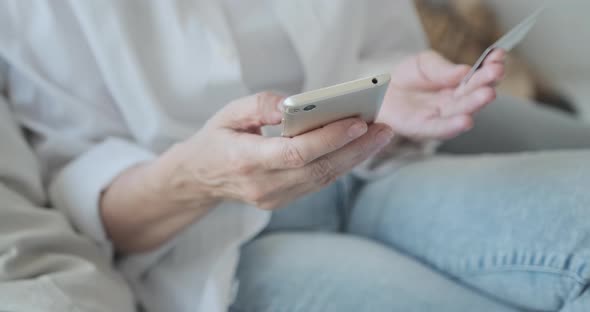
488 75
250 112
328 168
497 56
440 71
430 70
468 104
298 151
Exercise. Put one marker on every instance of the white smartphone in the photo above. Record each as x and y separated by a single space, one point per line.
314 109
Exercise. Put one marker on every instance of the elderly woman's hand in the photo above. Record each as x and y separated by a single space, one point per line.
426 101
229 159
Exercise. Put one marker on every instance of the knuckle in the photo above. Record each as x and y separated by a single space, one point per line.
486 95
491 95
327 180
254 195
322 171
239 163
329 141
292 156
243 167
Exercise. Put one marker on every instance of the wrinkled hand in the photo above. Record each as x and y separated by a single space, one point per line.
425 100
229 159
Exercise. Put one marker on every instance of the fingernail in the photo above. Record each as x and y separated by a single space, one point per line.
357 130
384 137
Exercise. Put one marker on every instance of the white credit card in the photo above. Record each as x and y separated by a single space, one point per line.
508 41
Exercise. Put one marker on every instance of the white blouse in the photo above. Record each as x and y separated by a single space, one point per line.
104 85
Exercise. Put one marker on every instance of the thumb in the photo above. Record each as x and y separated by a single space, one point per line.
251 112
439 71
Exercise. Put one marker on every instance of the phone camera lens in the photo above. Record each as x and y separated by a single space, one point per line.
309 107
375 81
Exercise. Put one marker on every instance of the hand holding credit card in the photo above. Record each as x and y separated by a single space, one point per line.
508 41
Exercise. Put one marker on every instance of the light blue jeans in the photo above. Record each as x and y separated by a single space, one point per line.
493 232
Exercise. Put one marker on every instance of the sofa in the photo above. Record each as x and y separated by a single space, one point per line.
559 45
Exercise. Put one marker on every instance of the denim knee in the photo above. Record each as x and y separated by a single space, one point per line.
341 273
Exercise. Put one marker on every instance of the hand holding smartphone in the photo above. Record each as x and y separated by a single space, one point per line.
311 110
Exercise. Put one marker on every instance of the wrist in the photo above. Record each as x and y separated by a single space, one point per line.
173 182
142 209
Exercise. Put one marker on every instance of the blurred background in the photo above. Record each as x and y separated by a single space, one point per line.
551 65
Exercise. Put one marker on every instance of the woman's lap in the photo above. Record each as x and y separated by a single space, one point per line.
303 271
516 227
305 249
